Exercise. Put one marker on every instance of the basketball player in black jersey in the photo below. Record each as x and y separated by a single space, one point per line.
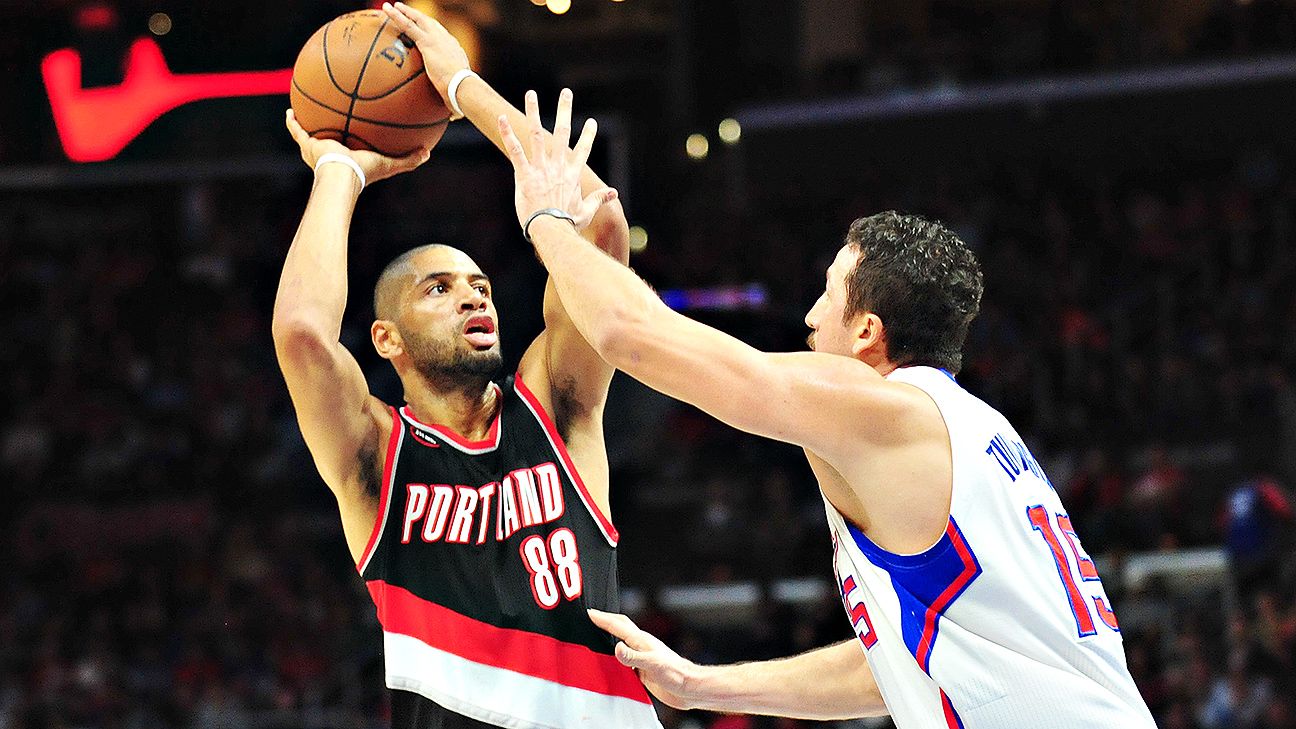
477 511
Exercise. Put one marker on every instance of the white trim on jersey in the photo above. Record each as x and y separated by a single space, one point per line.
503 697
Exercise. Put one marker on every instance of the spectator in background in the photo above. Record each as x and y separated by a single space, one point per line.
1095 492
1256 510
1155 499
1235 700
1278 714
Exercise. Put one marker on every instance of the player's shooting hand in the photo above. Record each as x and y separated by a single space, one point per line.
549 177
442 54
376 166
669 676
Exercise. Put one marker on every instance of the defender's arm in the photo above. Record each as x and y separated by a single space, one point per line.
803 398
833 682
561 366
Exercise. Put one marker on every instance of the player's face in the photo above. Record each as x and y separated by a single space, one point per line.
826 318
448 321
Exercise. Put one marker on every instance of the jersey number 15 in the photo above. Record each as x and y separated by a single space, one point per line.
1085 625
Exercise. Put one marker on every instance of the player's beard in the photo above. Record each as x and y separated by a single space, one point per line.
443 362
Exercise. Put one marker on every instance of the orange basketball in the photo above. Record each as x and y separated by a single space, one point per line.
359 81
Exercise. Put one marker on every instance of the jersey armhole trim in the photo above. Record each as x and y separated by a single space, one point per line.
384 493
559 447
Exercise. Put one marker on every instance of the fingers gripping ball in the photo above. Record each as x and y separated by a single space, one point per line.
361 82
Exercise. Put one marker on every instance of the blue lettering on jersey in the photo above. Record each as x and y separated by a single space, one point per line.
1015 458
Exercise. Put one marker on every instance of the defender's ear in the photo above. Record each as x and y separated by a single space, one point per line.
868 335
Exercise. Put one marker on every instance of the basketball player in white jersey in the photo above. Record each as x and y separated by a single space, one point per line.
973 601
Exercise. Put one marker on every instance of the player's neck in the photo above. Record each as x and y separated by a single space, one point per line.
467 408
879 362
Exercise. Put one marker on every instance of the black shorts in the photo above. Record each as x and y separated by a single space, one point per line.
412 711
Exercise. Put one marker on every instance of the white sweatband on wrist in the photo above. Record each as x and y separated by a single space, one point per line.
453 88
328 157
551 212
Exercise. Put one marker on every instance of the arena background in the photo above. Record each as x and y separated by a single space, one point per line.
1124 169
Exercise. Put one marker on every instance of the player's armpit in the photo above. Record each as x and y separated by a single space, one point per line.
571 381
334 408
343 425
576 377
339 419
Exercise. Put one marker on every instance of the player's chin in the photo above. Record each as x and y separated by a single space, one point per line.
484 357
492 349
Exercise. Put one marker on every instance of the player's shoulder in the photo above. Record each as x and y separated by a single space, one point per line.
854 401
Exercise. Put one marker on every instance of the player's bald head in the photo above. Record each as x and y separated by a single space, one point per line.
396 275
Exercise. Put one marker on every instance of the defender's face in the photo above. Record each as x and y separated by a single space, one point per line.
826 318
447 318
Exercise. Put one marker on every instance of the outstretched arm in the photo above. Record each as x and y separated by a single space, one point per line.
561 355
339 419
827 683
799 398
561 368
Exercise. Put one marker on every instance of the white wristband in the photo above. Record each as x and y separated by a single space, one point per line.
328 157
453 88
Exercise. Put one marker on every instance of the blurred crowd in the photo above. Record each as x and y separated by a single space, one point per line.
943 42
174 561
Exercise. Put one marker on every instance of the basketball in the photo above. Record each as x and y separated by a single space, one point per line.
361 82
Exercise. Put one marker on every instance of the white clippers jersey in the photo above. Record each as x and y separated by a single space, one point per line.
1003 623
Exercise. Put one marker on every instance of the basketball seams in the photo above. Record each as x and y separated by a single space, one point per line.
393 89
367 143
378 108
367 120
327 67
360 78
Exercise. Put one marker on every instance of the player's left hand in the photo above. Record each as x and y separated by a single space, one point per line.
442 53
550 176
668 675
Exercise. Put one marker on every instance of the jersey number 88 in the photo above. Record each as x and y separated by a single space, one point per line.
554 566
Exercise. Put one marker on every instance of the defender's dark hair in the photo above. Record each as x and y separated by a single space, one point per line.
920 280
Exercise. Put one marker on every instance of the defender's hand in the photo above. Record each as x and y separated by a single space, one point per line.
550 176
376 166
442 54
669 676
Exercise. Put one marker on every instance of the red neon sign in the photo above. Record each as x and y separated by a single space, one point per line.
95 124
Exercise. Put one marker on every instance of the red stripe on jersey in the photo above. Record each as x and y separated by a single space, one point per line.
544 657
952 720
608 529
942 601
384 490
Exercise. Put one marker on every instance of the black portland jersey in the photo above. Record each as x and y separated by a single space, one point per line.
482 562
